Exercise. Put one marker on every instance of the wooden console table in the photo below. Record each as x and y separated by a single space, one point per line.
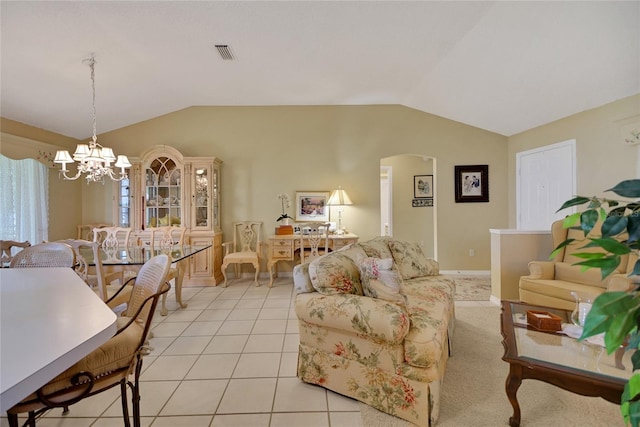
284 247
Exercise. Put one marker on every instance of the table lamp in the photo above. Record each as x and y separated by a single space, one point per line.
339 198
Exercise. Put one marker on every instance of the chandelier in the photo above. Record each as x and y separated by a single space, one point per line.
93 159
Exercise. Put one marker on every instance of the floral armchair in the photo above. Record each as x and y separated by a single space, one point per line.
375 322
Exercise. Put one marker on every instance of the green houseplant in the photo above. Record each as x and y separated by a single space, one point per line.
616 314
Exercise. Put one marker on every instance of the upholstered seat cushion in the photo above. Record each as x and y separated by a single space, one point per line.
430 288
377 319
426 340
114 354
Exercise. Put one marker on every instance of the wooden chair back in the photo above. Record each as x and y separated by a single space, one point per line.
314 240
95 281
112 237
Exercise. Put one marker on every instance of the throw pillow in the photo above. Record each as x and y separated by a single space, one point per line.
379 280
335 273
301 281
377 247
411 261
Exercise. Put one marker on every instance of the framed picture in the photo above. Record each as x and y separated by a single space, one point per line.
422 186
472 183
312 206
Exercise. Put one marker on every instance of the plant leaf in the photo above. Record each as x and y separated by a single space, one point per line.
615 223
610 245
627 188
633 227
560 246
588 220
607 265
579 200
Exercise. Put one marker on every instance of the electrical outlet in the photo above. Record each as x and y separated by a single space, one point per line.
472 252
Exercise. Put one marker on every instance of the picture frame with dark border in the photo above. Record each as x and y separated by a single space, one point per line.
422 186
471 183
312 206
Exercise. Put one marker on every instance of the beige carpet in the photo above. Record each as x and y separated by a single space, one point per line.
476 287
473 392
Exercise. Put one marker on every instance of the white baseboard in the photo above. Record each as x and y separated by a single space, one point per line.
472 272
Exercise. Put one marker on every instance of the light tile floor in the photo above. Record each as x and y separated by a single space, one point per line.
228 359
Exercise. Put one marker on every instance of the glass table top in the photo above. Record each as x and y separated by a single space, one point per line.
138 255
559 349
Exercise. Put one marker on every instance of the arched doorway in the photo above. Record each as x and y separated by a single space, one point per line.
398 217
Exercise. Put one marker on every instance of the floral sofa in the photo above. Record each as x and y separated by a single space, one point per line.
376 320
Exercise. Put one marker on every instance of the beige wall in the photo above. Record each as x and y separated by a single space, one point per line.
603 159
270 150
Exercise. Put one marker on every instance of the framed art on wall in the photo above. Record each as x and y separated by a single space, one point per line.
472 183
312 206
422 186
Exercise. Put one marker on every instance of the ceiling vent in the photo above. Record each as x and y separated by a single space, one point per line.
225 52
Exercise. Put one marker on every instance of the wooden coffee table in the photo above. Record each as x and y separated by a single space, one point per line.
557 359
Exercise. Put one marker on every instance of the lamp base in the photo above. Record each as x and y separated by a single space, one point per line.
340 232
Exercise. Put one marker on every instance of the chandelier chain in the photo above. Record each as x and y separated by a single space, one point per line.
92 63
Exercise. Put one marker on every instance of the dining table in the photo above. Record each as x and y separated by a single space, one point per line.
131 258
49 320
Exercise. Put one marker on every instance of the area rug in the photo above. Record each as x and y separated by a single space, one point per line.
475 287
473 393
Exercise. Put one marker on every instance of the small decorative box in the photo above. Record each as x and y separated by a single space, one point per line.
544 321
284 229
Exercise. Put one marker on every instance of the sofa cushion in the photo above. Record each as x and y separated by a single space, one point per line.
575 273
335 273
430 288
426 340
301 280
411 261
379 280
377 247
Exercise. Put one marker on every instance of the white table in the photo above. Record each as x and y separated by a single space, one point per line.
49 320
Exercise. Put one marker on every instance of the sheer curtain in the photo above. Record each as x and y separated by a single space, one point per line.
24 195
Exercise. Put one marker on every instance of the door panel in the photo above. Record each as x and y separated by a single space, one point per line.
545 180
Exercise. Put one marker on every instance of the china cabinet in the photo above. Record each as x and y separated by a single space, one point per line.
170 189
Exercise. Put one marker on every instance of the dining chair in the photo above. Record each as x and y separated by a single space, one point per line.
110 239
312 236
167 236
244 249
164 238
48 254
82 269
112 363
85 231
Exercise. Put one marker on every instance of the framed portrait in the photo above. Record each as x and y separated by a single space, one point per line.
472 183
312 206
422 186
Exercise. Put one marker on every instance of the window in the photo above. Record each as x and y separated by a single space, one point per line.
24 195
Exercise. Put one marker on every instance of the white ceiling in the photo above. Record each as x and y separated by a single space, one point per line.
502 66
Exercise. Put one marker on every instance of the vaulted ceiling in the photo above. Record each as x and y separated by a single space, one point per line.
501 66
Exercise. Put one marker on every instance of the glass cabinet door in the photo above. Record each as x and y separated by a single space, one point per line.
163 193
202 200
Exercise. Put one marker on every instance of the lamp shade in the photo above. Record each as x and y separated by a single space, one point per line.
339 197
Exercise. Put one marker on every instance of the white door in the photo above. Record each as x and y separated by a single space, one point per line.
545 179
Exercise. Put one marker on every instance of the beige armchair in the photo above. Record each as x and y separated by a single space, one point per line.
550 283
